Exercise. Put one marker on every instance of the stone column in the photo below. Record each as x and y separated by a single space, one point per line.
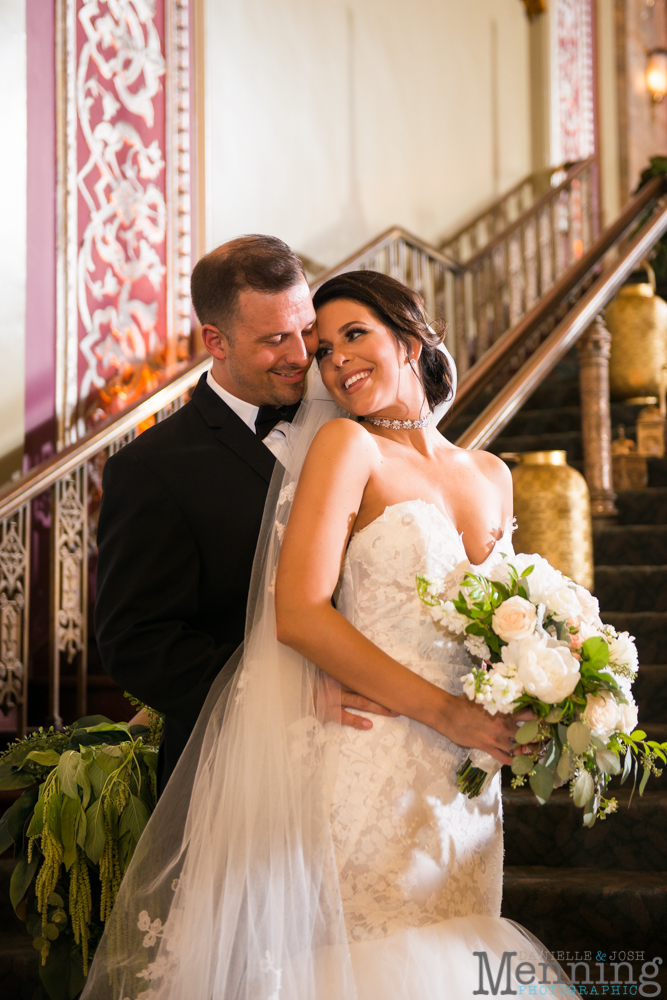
594 350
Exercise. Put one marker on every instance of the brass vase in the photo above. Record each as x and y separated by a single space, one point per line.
553 513
637 321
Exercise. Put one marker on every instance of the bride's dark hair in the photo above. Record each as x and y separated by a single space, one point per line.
401 310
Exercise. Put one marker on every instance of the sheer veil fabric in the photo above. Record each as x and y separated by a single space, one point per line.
233 891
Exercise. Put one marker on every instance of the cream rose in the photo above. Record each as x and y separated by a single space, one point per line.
623 651
602 713
546 670
514 619
628 716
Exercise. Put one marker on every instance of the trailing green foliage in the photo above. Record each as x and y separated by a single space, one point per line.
89 793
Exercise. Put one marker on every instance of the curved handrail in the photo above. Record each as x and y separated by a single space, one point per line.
529 213
481 373
509 400
38 479
379 243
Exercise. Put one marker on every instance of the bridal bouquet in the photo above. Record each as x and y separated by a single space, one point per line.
542 646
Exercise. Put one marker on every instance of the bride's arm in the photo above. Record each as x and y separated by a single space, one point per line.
325 508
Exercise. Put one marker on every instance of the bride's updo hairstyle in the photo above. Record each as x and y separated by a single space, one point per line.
401 310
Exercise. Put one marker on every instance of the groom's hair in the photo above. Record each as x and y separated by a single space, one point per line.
263 263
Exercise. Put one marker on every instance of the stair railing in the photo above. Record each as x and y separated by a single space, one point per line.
584 325
479 300
71 483
475 236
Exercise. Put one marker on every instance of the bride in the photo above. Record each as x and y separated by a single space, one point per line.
291 858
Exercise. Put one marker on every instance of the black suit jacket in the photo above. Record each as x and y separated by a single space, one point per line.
180 518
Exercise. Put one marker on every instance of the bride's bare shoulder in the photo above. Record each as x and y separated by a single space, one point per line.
342 437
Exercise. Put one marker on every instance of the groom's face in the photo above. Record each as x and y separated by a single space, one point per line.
269 346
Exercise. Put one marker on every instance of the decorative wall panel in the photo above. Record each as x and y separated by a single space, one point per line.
124 202
573 122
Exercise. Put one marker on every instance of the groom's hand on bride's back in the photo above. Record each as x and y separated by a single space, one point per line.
333 702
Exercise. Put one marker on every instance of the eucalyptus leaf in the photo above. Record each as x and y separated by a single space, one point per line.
50 932
527 732
55 899
578 736
552 755
96 831
554 715
21 878
627 766
608 762
646 775
595 652
134 817
584 789
598 743
564 767
541 782
522 764
562 733
589 814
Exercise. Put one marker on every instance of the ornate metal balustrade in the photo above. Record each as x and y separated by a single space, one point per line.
479 299
69 486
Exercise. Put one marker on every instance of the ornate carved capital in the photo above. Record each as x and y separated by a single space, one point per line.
595 343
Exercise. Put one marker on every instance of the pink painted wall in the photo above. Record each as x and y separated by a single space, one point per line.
41 234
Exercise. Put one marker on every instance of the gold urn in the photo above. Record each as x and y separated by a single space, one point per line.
553 512
637 321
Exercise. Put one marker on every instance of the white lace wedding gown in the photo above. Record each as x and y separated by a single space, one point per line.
420 864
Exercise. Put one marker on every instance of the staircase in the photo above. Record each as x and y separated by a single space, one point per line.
603 889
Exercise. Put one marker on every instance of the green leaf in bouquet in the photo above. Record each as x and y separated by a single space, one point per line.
595 652
97 778
69 821
598 743
21 878
578 736
627 765
37 822
589 813
527 732
12 824
542 783
47 758
52 813
134 818
554 714
108 760
584 789
62 975
552 755
562 733
646 775
638 734
11 777
83 780
96 831
608 762
92 720
527 571
67 767
564 767
522 764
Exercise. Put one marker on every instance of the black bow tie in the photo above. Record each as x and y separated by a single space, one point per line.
269 416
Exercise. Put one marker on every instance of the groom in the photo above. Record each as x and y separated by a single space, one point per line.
183 503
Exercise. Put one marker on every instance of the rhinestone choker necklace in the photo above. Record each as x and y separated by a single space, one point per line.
400 425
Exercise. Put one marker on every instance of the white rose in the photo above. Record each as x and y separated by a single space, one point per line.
563 602
547 670
628 716
476 646
514 619
590 607
623 651
602 713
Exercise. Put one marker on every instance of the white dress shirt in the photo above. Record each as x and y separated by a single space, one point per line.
277 440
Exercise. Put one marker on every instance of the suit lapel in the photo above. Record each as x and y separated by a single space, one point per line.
231 431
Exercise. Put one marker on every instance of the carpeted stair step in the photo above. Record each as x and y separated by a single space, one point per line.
631 588
649 629
581 909
647 506
632 839
634 545
650 691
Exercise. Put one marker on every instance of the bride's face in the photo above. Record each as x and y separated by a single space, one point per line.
363 367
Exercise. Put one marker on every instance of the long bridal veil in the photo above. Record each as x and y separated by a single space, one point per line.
233 889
